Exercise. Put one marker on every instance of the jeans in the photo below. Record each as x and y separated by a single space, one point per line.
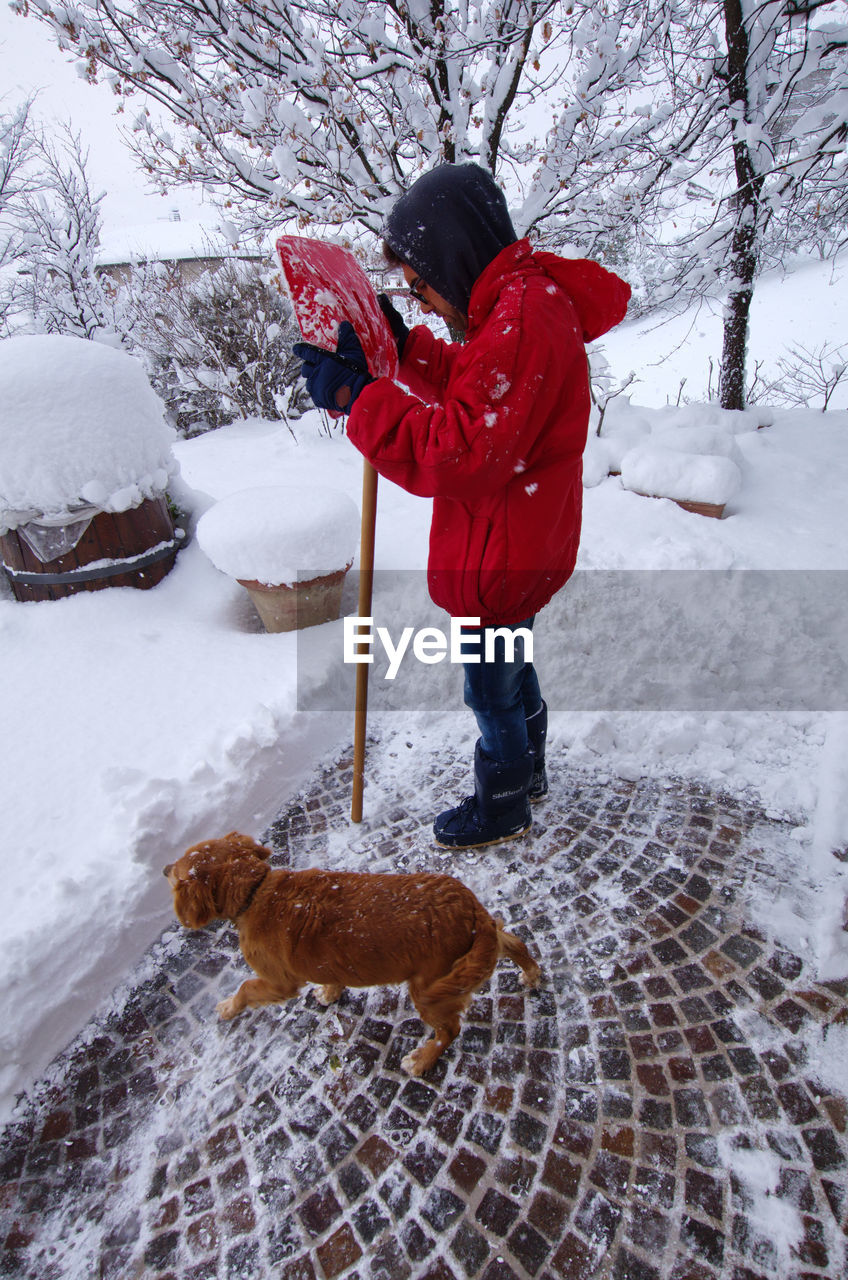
502 694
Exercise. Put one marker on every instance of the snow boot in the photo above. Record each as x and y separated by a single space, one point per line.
537 732
499 809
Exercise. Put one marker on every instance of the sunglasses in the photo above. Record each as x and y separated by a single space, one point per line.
415 289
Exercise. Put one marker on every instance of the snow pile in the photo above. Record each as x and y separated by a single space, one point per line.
707 420
622 431
662 472
697 439
81 426
689 454
278 536
598 462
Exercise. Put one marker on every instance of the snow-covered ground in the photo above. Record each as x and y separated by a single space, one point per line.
139 722
678 360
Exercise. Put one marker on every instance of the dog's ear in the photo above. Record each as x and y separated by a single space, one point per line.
240 843
193 902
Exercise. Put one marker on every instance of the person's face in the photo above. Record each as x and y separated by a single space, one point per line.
428 300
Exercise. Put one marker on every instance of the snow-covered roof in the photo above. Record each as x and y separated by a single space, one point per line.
166 241
82 427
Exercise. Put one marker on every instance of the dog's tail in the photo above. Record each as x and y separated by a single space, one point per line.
470 971
473 968
511 946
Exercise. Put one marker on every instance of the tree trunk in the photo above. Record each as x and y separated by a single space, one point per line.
744 252
736 314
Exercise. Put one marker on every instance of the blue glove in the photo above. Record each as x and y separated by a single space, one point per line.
397 324
327 372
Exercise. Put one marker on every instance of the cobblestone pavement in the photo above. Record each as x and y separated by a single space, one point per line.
650 1113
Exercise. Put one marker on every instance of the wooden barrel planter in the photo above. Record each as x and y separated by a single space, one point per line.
135 548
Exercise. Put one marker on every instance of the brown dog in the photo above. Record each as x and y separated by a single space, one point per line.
347 929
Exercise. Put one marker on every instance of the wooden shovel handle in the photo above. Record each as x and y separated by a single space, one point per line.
366 584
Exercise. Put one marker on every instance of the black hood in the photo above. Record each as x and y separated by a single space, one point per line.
449 226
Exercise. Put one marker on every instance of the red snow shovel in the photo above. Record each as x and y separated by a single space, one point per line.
327 285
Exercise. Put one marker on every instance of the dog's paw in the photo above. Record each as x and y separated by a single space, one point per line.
532 978
411 1064
329 993
227 1009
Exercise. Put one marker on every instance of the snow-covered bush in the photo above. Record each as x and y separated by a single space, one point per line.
217 347
603 386
809 376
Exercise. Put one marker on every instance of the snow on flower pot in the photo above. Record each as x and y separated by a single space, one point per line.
702 483
85 458
289 548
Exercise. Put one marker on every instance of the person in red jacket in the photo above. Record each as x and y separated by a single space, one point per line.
493 428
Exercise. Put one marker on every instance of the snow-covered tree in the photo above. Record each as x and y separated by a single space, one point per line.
753 137
329 110
716 148
16 179
15 174
585 182
689 140
58 232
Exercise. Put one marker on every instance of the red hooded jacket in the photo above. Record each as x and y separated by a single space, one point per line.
497 435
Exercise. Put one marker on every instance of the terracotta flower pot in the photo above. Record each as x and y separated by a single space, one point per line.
304 604
280 544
